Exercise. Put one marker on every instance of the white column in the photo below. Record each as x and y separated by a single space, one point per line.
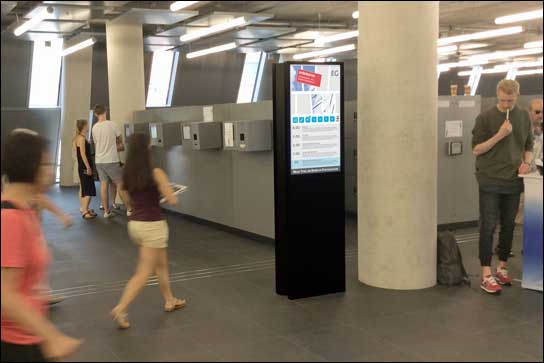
125 47
397 156
75 103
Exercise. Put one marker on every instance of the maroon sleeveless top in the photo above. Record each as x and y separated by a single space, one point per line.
145 205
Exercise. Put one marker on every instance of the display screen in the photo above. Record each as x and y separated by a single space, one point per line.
315 118
153 132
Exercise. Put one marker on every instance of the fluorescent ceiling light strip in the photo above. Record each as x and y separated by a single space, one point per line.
535 44
219 48
468 63
480 35
447 49
322 60
337 37
503 68
213 29
507 54
528 72
355 14
529 15
522 64
484 71
31 23
79 46
178 5
469 46
325 52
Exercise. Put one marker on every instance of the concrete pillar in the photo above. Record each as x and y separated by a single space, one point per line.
75 101
125 46
397 156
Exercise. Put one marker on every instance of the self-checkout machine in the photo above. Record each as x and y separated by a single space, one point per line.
309 179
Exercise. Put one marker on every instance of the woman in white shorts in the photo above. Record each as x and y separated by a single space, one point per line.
147 227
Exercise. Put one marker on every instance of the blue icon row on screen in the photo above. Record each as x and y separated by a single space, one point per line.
309 119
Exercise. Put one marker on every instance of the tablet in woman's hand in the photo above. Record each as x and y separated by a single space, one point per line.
178 188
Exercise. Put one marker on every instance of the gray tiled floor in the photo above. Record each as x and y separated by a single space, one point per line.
233 313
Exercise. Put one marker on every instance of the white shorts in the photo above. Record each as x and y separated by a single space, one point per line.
149 234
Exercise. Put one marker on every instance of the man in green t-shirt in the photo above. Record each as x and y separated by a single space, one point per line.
503 143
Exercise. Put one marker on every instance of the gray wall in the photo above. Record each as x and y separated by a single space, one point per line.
99 80
266 91
16 67
350 155
209 80
45 121
231 188
350 80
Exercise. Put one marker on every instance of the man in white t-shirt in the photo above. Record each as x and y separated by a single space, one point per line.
107 143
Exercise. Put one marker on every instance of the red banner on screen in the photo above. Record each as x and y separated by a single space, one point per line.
313 79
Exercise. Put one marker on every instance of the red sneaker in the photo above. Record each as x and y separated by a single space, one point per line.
490 285
502 277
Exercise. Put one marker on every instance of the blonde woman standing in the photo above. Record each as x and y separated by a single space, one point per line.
85 169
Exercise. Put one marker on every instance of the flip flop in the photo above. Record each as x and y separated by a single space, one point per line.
178 304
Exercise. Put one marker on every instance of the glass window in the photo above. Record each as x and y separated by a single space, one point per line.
159 93
251 77
45 74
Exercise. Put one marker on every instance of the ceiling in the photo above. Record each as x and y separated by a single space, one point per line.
277 27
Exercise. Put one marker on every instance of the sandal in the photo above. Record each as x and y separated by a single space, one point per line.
121 319
92 212
55 299
88 215
178 304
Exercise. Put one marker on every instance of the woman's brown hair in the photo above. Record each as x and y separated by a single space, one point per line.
138 172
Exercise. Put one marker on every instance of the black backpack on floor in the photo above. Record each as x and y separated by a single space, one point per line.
450 269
